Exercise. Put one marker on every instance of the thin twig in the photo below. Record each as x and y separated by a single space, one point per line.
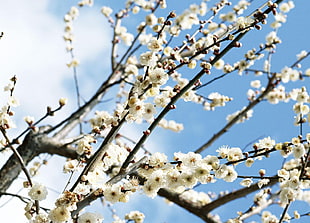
21 162
241 114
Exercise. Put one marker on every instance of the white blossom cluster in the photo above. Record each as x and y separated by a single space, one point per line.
6 114
190 17
242 118
171 125
135 216
189 170
84 145
280 17
69 36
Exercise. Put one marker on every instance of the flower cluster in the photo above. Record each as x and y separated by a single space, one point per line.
217 100
171 125
190 17
6 114
68 36
84 145
242 118
89 217
64 205
135 216
120 192
280 17
188 170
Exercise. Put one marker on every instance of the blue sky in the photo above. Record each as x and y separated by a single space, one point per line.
33 49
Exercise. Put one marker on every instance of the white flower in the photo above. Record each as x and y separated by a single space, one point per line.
135 9
267 217
300 108
173 179
157 179
246 182
131 69
161 100
155 45
285 7
294 182
219 64
247 116
158 159
150 19
299 151
70 166
188 179
187 20
249 162
190 159
60 214
74 12
82 189
221 172
13 101
234 154
283 173
96 176
212 161
231 174
262 182
106 11
145 38
243 22
148 59
158 76
255 84
41 218
223 151
127 38
88 217
112 193
84 145
302 96
149 111
287 195
302 54
150 189
135 216
272 38
202 173
38 192
265 143
137 108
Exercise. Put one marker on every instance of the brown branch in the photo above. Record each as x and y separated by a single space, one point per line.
76 117
234 195
34 144
175 198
